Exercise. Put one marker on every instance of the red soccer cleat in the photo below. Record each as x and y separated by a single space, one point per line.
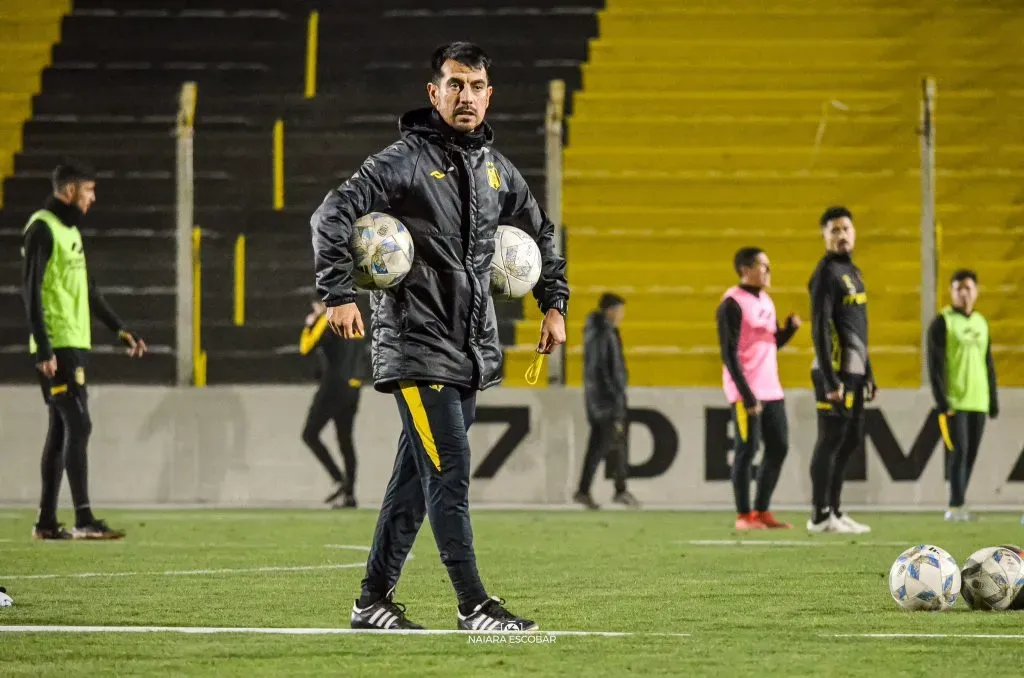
768 520
749 521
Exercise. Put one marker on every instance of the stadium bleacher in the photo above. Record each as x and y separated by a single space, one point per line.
110 98
695 134
720 147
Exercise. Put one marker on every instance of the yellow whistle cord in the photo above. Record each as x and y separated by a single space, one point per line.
533 371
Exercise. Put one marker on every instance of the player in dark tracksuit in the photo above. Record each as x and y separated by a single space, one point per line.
841 373
605 379
341 369
434 341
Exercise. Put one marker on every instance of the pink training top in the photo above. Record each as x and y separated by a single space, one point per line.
757 351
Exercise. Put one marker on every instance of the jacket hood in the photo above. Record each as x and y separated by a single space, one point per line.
427 122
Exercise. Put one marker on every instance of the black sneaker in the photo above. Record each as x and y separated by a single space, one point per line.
587 501
97 530
384 615
345 501
626 499
492 616
50 533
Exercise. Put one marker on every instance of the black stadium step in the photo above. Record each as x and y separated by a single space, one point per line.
164 30
156 333
103 368
162 80
113 160
259 367
273 54
435 29
31 191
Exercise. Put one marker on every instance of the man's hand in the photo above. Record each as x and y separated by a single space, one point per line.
552 331
870 391
793 320
836 395
136 346
346 321
950 413
48 367
993 412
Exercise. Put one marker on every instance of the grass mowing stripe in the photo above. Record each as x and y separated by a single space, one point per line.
205 630
787 542
185 573
891 636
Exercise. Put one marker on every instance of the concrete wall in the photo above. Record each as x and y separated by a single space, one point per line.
240 446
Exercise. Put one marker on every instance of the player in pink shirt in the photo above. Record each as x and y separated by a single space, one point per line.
749 336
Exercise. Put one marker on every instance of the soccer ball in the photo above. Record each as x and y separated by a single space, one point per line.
924 577
993 578
5 600
515 268
382 251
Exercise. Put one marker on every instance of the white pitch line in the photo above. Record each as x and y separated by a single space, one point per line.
993 636
184 573
206 630
787 542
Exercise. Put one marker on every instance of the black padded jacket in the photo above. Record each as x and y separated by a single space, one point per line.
451 190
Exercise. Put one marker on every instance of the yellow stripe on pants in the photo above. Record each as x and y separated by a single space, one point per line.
944 430
741 421
411 394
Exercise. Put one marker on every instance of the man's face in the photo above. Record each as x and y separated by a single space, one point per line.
840 235
461 96
616 314
760 274
964 293
81 194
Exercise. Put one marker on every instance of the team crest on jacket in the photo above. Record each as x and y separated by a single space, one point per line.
492 176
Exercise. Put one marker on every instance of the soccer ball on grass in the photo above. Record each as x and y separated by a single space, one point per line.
993 579
924 577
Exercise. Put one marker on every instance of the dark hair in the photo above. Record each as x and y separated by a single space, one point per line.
962 274
745 257
610 300
71 173
834 212
466 53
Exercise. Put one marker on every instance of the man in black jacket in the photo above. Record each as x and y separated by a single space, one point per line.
605 379
434 340
340 367
841 372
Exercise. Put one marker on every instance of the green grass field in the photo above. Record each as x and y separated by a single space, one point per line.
750 609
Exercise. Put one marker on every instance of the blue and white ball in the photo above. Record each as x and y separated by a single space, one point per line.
924 577
516 265
993 578
382 251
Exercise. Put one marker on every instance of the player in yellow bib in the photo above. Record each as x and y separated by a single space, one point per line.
60 298
963 380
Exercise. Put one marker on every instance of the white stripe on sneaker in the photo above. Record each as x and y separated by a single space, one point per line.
479 621
376 616
385 621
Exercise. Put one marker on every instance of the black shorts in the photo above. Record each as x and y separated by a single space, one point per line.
70 377
852 404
